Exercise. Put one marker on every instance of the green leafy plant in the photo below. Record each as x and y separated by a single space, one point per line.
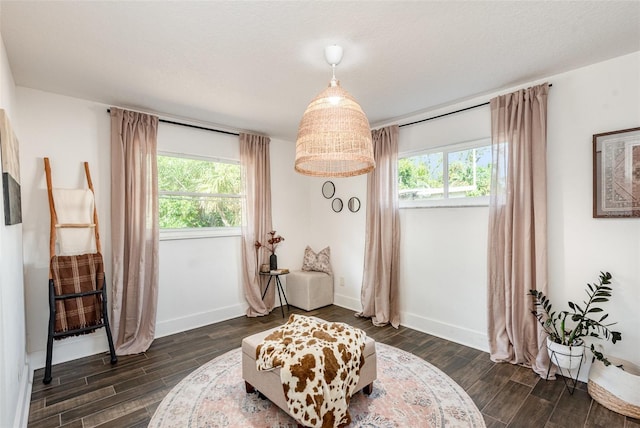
570 327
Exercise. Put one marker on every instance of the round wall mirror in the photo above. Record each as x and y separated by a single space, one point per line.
328 189
354 204
337 205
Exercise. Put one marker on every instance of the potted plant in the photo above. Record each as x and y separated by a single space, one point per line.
566 330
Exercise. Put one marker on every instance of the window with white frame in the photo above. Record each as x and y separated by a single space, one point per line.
454 175
198 196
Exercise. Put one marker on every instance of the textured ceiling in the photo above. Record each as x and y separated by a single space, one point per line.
256 65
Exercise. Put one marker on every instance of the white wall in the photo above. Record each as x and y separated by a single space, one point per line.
195 273
204 275
344 232
14 371
68 131
442 255
599 98
290 210
443 250
199 278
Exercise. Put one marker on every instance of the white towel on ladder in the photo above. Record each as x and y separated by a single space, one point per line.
75 206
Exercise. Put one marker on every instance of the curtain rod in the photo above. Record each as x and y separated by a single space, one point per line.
188 125
451 112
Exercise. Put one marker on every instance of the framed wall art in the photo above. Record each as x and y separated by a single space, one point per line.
616 174
10 172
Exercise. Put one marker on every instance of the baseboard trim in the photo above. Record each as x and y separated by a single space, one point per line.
347 302
24 397
71 348
83 346
461 335
177 325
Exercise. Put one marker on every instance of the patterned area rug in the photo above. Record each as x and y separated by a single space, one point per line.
409 392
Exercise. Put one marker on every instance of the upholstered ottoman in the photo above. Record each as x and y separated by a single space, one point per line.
309 290
268 382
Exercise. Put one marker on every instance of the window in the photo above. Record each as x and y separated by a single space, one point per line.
451 176
198 196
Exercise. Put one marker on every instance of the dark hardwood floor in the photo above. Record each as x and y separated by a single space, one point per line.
90 392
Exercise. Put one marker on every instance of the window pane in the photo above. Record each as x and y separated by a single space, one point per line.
196 193
178 212
469 172
421 177
460 171
195 175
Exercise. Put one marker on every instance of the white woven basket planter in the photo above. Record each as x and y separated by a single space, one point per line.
614 388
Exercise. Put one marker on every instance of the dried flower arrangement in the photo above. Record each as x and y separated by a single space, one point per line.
272 242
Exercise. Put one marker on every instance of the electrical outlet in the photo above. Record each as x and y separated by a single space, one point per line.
342 281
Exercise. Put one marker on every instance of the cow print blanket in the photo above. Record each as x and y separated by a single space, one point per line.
320 366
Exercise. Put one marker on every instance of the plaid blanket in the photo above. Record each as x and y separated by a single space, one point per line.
77 274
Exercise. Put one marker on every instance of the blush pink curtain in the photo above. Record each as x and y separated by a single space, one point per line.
517 244
256 220
134 229
379 294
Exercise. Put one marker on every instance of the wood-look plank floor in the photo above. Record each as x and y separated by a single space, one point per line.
89 392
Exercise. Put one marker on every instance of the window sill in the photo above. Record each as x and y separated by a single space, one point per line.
447 203
199 233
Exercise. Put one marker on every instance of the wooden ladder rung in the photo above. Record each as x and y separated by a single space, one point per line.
76 225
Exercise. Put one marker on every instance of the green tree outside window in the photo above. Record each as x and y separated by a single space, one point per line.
196 193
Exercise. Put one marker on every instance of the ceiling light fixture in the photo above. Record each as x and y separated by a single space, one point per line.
334 137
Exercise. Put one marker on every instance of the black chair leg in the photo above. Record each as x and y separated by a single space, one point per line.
105 319
52 321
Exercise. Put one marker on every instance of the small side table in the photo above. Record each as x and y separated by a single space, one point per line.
279 288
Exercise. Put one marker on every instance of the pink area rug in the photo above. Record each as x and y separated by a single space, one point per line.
409 392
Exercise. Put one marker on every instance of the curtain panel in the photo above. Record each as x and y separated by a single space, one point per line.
134 229
517 241
256 220
379 293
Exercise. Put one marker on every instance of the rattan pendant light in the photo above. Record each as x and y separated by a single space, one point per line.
334 137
